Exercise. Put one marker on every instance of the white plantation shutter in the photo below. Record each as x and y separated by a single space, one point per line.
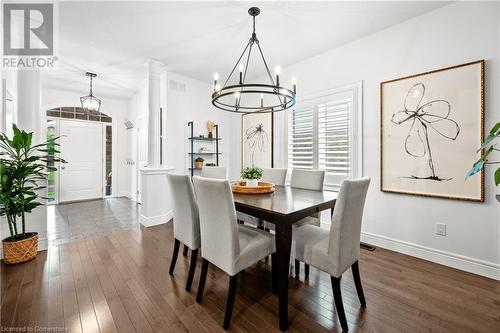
324 132
301 138
334 139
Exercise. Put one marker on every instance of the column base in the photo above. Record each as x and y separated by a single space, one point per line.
156 207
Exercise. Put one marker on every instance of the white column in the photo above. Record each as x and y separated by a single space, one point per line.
155 197
154 69
30 117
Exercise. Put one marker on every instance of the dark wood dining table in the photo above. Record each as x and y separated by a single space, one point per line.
284 207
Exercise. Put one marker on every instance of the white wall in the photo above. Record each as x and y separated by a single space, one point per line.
117 109
194 104
454 34
137 107
191 104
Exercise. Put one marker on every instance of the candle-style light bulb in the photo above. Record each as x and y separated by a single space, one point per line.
240 67
236 99
217 87
216 77
277 71
261 100
294 84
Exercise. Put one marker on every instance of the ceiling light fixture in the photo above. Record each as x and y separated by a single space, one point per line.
252 97
90 102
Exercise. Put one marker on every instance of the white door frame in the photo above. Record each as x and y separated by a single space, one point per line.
113 157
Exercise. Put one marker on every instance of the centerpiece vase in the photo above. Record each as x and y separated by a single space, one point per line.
252 182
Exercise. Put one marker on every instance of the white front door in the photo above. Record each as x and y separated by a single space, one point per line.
81 146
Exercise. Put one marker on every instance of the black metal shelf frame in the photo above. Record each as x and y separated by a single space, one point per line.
193 138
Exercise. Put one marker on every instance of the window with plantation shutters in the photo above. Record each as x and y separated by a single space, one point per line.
300 139
324 132
334 142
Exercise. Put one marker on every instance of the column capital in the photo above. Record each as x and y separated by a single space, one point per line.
154 66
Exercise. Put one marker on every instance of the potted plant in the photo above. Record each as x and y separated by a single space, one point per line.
252 175
198 163
486 149
23 167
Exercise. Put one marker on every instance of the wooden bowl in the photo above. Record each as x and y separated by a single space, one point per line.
262 188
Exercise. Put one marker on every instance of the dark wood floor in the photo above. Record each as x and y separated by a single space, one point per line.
120 283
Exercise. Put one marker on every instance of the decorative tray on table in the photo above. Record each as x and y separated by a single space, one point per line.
262 188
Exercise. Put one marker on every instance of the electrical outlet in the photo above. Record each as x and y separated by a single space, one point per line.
441 229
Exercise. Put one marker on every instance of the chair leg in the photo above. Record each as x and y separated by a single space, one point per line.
185 251
231 294
339 305
297 268
192 267
203 279
306 270
357 282
274 271
177 243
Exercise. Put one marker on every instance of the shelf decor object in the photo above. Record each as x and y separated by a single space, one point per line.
90 102
430 124
261 188
195 154
242 97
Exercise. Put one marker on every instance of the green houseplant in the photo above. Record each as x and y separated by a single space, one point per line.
486 149
198 163
23 172
251 175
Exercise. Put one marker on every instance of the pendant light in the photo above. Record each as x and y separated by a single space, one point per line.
90 102
238 96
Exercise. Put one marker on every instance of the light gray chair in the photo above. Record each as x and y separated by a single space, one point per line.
308 180
214 172
336 250
186 222
272 175
226 244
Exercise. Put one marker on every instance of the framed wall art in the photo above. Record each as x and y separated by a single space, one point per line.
257 140
431 127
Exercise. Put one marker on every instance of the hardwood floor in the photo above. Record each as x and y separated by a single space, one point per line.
120 283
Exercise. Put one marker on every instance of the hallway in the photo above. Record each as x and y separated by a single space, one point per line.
68 222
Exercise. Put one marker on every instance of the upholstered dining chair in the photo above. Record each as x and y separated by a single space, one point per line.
186 222
226 244
271 175
308 180
214 172
336 250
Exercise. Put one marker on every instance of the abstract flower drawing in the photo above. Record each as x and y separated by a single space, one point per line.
424 119
257 139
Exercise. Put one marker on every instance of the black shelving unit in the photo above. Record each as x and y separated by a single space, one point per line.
192 154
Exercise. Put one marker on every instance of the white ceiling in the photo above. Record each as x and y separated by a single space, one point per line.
196 39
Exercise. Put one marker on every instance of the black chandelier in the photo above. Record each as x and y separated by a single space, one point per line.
252 97
90 102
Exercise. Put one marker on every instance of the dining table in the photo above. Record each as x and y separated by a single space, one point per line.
284 207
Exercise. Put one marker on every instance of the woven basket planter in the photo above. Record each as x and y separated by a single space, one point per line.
16 252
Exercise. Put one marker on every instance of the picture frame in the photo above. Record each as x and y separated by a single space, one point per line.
257 139
431 125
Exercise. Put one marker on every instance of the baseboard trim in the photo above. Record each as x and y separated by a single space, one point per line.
468 264
156 220
43 244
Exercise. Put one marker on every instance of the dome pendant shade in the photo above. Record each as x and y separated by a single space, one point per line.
242 97
90 102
